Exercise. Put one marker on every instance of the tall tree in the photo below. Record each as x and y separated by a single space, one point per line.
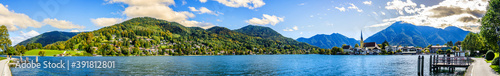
490 23
4 38
472 42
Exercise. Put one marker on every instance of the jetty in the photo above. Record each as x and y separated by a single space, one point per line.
437 63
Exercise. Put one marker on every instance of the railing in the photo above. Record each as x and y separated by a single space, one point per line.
452 61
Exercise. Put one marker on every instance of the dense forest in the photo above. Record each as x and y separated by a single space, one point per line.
150 36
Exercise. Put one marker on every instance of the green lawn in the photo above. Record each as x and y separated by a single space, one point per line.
1 58
496 68
34 52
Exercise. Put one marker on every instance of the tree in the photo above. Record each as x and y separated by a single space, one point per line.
472 42
21 49
4 39
356 45
449 43
384 44
41 53
490 22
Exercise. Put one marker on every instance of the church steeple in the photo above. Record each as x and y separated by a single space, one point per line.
361 42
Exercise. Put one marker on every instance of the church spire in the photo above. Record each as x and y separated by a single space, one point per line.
361 42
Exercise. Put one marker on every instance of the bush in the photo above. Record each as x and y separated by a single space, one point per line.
489 55
495 61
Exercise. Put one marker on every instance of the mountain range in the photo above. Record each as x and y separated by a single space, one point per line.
329 41
147 32
399 33
406 34
49 37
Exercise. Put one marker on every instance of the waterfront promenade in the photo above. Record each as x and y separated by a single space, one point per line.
480 68
4 67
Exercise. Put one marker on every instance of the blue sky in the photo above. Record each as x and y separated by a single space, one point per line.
291 18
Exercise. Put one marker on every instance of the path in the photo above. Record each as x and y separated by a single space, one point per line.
4 67
480 68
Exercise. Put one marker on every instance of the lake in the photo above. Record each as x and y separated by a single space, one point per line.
240 65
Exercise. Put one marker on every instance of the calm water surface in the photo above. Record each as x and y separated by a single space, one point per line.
241 65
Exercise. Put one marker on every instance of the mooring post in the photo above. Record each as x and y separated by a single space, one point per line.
422 66
418 66
430 64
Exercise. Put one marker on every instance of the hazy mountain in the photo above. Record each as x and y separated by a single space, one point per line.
329 41
49 37
406 34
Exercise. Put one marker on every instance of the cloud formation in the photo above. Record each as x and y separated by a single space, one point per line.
400 6
266 19
23 36
159 9
367 2
294 28
250 4
203 1
14 20
464 14
106 21
354 7
203 10
61 24
341 9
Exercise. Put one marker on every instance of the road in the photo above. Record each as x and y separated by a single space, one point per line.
480 68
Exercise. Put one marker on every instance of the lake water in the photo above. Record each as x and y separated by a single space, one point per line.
345 65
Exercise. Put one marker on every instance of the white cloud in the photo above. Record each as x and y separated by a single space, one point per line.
294 28
301 33
375 13
460 13
61 24
203 1
367 2
23 36
341 9
400 6
383 13
106 21
13 20
203 10
250 4
354 7
287 29
158 9
266 19
74 31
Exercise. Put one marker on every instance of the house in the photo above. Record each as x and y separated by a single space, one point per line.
359 51
372 48
409 50
392 48
347 48
434 49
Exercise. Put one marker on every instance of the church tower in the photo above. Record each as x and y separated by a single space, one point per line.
361 42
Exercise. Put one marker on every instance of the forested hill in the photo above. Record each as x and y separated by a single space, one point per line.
145 36
49 37
268 33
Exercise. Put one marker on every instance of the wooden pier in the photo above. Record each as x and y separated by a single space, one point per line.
437 63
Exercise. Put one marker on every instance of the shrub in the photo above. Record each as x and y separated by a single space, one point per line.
490 55
495 61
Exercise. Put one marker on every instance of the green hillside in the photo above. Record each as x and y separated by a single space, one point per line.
49 37
150 36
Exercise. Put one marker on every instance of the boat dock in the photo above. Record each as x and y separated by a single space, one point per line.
438 63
